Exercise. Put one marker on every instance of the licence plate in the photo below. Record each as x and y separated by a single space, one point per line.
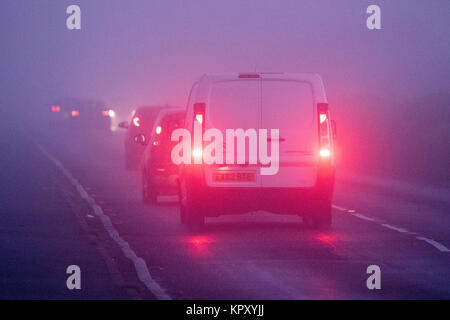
234 176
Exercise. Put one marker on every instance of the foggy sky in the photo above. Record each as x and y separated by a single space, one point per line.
149 52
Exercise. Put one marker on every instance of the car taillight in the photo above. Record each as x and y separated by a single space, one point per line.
136 121
198 128
111 113
75 113
56 108
324 131
157 138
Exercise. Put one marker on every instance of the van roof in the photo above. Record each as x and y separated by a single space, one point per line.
230 75
314 78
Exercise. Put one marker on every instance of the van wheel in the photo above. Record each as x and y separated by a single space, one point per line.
320 216
194 220
191 218
190 215
149 194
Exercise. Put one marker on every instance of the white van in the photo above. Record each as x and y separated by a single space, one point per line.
296 105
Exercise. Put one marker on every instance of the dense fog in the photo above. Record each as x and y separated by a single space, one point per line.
388 89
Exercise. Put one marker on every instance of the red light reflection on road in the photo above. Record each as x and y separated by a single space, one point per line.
327 239
199 245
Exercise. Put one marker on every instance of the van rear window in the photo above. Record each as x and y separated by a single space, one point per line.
287 104
235 104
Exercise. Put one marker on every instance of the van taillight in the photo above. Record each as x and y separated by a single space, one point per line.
199 117
75 113
158 129
325 153
136 121
324 131
197 154
56 108
198 129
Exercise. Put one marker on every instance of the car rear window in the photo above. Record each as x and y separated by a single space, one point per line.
174 123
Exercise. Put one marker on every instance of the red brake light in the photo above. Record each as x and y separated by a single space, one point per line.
75 113
197 153
199 107
158 130
325 153
324 131
199 127
105 113
56 108
199 117
136 121
199 114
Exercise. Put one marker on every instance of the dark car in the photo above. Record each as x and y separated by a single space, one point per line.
140 125
159 173
80 114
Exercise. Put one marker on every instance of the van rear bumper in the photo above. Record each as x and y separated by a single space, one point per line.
218 201
215 201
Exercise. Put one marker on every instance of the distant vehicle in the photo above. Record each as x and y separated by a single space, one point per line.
81 114
296 104
141 125
159 173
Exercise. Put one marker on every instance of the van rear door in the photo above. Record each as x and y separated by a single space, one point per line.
288 105
234 104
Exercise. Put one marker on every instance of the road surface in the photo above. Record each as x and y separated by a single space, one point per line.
68 200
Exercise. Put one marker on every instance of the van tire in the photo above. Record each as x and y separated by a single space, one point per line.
320 216
149 194
191 218
190 215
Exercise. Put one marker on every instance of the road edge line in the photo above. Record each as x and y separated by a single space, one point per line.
434 243
139 264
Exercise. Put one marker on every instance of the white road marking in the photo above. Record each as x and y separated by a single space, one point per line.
435 244
361 216
139 263
395 228
432 242
339 208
